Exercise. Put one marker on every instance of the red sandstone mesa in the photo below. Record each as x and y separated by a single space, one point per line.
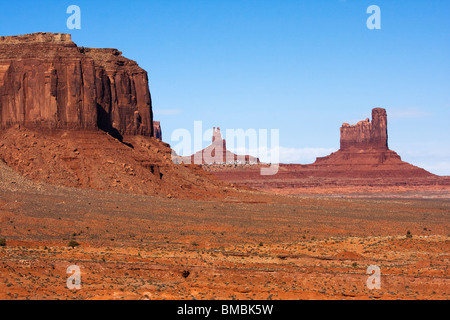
364 152
47 81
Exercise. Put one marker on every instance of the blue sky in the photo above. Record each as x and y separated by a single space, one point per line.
303 67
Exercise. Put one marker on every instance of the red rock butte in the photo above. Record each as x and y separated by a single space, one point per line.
57 100
366 134
363 163
47 81
364 152
217 153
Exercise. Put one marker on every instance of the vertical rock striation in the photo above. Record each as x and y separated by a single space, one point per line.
47 81
157 132
365 134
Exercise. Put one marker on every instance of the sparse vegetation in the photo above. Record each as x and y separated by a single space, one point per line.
2 242
73 244
185 273
408 234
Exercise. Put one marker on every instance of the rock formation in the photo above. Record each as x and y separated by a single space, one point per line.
47 81
364 163
364 147
366 134
157 132
217 153
56 102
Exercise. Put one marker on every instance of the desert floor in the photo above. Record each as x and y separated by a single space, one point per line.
255 246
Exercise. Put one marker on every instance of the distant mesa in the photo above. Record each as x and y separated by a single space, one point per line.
46 81
217 153
364 163
364 152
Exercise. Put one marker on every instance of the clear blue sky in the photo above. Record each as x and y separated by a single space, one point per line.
303 67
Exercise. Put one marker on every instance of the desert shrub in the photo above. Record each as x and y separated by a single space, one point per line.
2 242
185 273
73 244
408 234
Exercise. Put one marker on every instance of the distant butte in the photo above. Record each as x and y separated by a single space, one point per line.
364 153
364 163
217 153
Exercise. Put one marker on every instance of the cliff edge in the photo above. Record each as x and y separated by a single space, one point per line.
47 81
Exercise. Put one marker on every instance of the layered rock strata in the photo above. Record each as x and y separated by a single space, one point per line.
47 81
366 134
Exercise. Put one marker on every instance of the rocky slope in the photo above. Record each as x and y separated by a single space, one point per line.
96 160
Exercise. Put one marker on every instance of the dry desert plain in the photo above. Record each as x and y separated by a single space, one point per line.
249 245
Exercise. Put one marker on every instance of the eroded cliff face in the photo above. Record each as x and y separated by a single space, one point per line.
366 134
47 81
157 131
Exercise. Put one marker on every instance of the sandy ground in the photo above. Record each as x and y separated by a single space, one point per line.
250 246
